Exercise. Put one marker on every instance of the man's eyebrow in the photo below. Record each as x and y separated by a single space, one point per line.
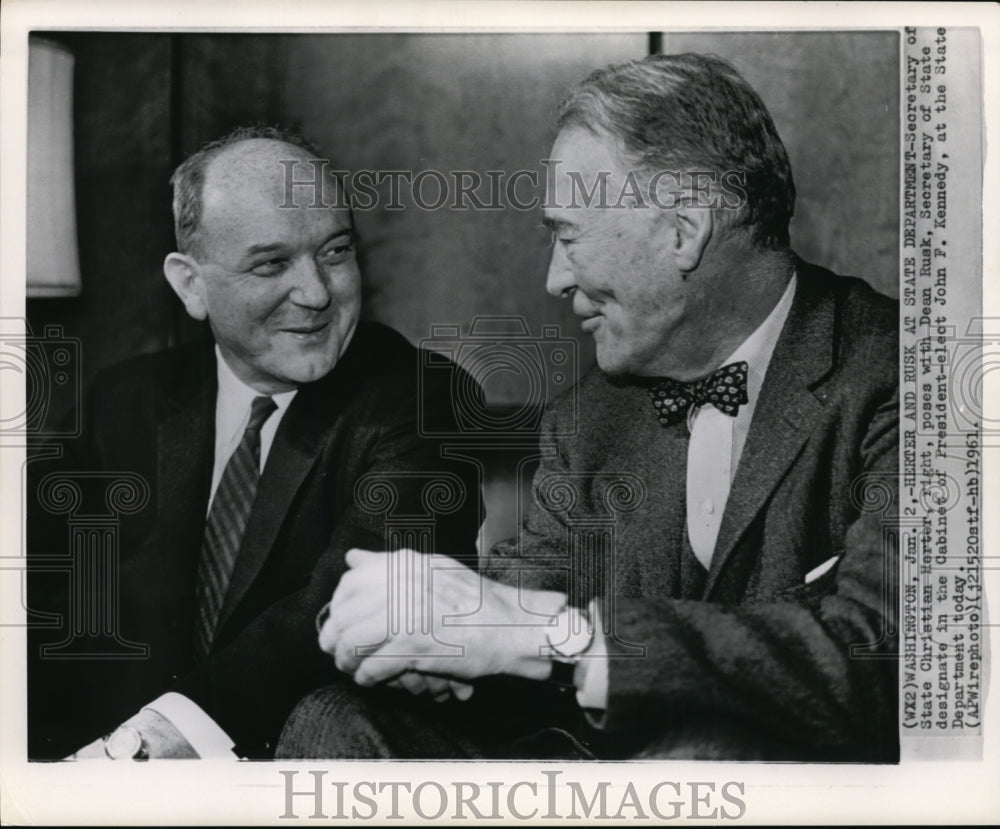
281 247
344 231
268 247
556 224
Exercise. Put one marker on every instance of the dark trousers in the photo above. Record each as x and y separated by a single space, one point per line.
506 719
512 719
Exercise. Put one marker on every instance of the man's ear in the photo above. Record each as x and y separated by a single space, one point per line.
184 276
693 226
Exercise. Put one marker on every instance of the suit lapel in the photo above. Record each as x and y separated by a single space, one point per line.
785 411
648 541
185 438
660 556
296 448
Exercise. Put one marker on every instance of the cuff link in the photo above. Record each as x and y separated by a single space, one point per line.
126 743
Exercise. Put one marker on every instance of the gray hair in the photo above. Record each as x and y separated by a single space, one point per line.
693 112
189 178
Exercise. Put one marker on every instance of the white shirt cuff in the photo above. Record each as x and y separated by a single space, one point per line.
592 670
199 729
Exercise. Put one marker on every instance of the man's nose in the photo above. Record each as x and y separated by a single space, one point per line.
311 286
560 277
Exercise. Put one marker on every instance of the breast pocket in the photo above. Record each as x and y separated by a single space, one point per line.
812 585
817 583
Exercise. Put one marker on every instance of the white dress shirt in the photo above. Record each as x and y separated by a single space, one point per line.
714 451
232 413
717 439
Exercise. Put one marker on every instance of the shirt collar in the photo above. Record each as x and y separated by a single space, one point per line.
235 396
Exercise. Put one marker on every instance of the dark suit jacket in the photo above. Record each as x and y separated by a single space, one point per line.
748 660
154 416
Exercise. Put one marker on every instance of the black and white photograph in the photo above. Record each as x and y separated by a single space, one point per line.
482 414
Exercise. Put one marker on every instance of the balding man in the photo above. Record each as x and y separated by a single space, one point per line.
253 446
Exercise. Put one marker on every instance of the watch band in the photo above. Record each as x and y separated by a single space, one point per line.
563 674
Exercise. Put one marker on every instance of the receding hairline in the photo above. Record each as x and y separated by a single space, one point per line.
243 152
237 166
611 139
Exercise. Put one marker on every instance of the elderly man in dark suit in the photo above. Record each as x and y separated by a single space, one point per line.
255 449
705 569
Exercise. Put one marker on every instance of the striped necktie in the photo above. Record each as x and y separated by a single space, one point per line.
227 521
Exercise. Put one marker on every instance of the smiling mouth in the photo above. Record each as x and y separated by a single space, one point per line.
303 331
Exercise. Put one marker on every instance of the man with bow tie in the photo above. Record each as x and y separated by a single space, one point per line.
743 412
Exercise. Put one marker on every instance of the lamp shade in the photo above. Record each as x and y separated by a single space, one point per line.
53 263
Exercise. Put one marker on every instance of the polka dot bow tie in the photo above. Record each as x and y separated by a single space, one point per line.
725 388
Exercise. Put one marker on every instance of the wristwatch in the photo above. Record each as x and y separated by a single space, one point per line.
125 743
568 637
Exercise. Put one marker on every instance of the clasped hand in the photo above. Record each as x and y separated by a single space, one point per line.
425 622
